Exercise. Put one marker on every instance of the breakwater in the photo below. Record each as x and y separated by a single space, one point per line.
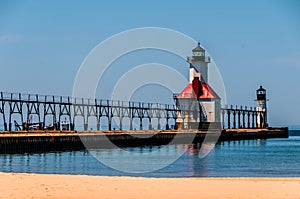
45 141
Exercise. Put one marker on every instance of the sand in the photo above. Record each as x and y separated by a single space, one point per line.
20 185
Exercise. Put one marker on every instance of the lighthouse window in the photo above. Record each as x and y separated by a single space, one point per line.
198 53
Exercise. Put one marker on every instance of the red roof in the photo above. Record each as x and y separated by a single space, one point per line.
188 92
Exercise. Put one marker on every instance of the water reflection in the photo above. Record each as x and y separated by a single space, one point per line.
197 166
258 142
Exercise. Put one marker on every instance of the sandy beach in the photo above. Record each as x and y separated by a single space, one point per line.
21 185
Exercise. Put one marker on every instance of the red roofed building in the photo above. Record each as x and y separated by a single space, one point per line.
188 92
199 104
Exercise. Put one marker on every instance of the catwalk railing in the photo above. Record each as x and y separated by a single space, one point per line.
31 111
243 117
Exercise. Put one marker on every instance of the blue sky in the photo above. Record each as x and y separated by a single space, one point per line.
43 43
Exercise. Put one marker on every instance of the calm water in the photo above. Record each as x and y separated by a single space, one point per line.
273 157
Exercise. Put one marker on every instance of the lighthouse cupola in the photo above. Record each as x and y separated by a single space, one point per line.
198 53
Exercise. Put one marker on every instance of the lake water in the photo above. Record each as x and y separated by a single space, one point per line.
254 158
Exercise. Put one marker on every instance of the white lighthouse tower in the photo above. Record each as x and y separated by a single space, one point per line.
261 100
199 64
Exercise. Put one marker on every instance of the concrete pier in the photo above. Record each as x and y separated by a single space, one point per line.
45 141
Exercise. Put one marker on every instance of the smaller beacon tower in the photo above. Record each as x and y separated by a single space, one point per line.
261 100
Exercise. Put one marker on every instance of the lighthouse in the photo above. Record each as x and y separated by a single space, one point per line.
261 100
203 102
